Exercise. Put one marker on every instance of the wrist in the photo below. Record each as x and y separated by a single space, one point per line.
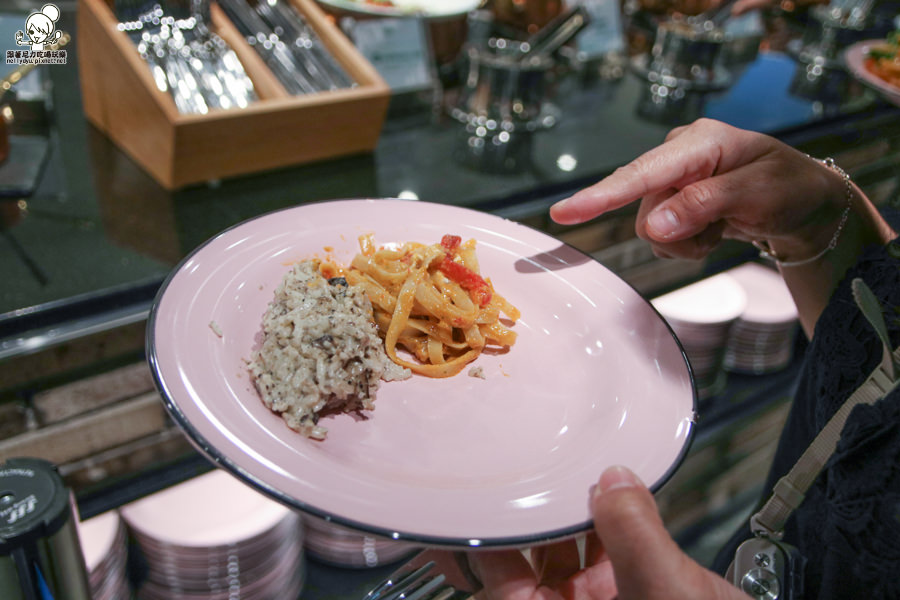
826 225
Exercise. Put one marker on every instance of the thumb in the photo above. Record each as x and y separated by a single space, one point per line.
647 563
687 212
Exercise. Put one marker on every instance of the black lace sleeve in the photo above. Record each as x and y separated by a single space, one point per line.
848 526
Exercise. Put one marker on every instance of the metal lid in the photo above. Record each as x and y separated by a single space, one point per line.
34 502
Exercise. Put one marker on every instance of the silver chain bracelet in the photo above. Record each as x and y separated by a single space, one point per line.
766 251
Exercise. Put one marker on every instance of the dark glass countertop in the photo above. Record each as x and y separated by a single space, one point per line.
98 235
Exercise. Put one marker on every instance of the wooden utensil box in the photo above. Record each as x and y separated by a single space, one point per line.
279 130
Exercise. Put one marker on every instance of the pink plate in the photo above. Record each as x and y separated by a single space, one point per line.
98 536
769 301
595 379
855 57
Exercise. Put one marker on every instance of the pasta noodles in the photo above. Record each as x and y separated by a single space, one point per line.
431 301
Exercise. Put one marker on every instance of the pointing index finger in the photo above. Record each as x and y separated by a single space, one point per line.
680 161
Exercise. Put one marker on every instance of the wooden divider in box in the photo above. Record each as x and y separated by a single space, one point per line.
122 100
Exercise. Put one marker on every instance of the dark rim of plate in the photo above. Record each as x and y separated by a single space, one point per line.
219 459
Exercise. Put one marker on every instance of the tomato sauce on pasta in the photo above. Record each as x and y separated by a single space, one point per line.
433 302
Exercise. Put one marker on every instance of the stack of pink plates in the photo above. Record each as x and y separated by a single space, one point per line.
762 339
103 543
215 538
336 545
701 315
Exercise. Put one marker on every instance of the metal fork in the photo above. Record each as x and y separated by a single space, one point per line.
431 575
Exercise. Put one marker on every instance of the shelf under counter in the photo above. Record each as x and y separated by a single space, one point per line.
735 434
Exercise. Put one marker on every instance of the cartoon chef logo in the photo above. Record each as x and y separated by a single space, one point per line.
40 29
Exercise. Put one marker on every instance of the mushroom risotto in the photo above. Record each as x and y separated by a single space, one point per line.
320 350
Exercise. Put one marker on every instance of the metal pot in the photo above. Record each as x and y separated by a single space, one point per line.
501 89
686 52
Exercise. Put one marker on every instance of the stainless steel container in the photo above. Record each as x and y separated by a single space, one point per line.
501 88
40 554
687 52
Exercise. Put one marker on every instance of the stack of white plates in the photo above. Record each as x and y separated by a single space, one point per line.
104 545
339 546
762 339
214 538
701 315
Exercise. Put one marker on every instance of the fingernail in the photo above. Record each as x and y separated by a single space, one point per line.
559 206
558 212
663 222
614 478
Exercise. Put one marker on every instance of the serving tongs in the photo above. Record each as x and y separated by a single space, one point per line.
554 35
432 574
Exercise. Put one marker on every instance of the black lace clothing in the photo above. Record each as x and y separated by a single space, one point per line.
848 527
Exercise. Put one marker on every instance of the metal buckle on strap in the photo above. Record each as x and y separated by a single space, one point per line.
761 530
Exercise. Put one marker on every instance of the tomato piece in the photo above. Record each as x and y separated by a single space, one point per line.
469 280
451 243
